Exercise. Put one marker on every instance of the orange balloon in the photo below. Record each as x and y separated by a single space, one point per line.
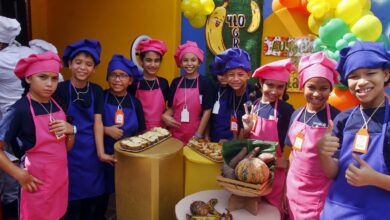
276 5
302 7
290 3
342 99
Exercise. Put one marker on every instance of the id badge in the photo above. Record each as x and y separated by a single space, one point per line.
58 136
298 142
233 125
361 141
216 107
185 115
200 98
119 117
254 119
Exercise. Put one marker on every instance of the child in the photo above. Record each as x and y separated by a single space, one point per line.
152 90
189 106
39 122
83 102
307 185
269 119
123 116
233 65
357 153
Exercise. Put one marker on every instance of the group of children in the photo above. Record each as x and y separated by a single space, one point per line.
334 160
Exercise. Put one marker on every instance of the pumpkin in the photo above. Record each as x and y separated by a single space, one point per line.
199 208
252 170
342 99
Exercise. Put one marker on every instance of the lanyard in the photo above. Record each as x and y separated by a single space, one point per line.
151 87
365 125
220 94
185 89
48 112
78 92
119 102
235 109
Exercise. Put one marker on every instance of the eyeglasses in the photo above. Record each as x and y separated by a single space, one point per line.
118 76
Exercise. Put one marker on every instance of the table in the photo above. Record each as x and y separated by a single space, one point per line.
266 211
149 183
200 172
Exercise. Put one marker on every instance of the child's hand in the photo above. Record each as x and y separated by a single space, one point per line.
114 131
247 118
170 121
28 182
60 127
359 176
328 144
106 158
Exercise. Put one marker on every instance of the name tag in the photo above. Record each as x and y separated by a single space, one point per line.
361 141
298 142
200 98
185 115
233 125
119 117
216 107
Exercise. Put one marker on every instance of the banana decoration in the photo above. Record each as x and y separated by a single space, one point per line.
213 30
256 17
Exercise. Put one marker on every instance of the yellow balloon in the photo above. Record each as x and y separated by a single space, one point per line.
185 5
367 28
189 14
333 3
366 4
198 21
314 24
207 6
320 10
349 11
195 5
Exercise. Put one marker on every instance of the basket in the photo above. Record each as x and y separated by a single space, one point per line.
240 188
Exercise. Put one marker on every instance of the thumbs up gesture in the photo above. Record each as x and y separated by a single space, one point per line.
328 144
359 176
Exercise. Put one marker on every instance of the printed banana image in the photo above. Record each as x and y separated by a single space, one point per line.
256 17
213 30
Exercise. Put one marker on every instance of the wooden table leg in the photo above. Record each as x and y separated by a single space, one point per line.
239 202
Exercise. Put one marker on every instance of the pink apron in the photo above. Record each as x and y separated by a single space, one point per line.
47 161
267 130
186 97
153 105
307 185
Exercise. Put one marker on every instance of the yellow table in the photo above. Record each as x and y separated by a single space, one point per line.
200 172
149 184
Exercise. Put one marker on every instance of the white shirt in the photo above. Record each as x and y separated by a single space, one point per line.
10 86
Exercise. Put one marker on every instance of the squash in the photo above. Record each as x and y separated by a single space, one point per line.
199 208
252 170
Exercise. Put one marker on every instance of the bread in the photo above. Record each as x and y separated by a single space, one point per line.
162 132
130 145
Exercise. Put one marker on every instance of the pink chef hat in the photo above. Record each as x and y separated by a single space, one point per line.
38 63
188 47
278 70
317 65
152 45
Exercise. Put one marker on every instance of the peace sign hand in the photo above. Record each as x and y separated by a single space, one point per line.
247 119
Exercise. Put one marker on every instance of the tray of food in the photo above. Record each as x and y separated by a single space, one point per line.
144 141
210 150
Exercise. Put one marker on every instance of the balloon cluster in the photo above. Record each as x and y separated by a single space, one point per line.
299 5
197 10
339 23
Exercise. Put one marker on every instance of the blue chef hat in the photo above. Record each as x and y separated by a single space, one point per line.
120 62
91 47
370 55
230 59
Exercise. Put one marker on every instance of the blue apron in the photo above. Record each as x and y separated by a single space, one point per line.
130 128
365 202
86 177
220 123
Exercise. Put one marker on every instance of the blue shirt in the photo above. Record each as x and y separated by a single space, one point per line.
18 122
206 90
318 120
356 122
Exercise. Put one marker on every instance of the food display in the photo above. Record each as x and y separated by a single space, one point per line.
145 141
210 150
206 211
